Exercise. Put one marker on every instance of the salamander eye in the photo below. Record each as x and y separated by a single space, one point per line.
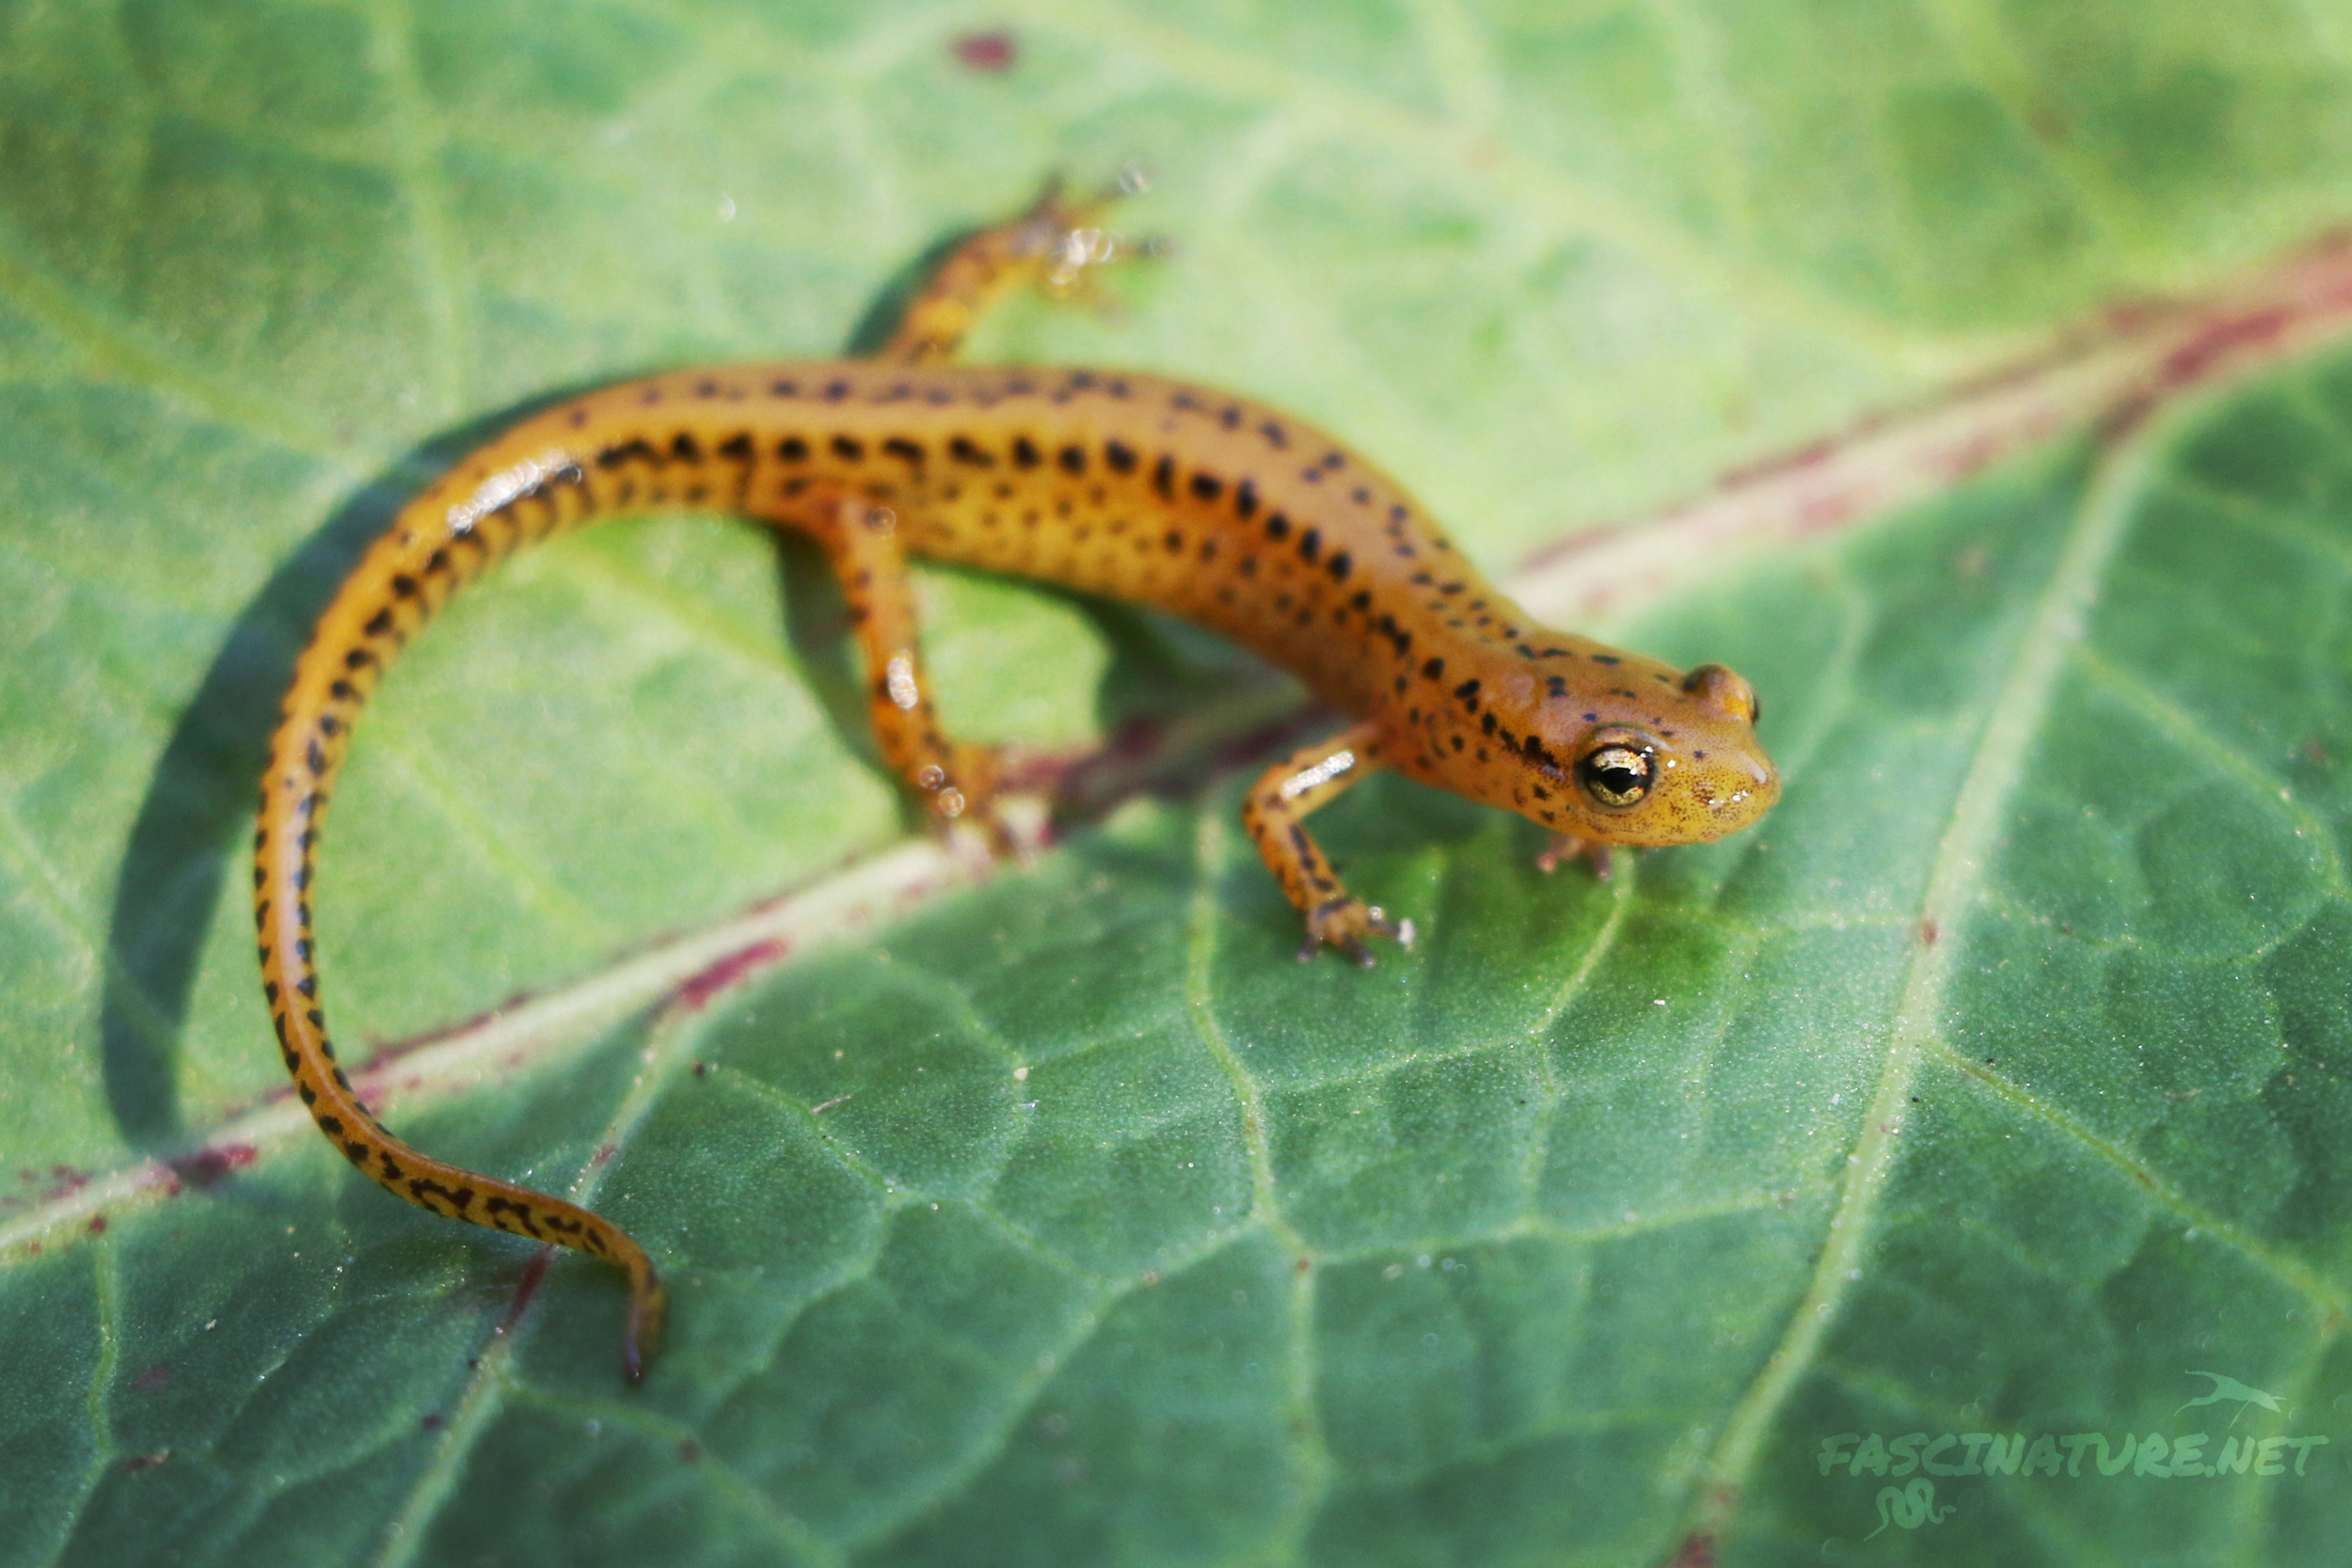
1617 772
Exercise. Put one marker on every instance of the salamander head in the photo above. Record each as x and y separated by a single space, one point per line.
1642 754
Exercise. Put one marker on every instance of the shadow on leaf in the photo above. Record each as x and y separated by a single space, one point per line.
202 795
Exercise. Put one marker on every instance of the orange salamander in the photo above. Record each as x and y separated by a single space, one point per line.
1225 512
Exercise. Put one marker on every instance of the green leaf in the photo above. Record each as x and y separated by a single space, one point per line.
1994 1085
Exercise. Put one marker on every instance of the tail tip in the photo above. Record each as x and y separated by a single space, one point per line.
642 1340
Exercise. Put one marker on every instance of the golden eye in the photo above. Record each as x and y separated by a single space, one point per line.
1617 772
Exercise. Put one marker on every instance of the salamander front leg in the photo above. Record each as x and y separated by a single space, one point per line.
1565 847
1274 815
954 780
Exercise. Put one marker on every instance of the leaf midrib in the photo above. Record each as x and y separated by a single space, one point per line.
2043 653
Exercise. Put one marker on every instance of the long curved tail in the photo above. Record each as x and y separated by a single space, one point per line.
502 498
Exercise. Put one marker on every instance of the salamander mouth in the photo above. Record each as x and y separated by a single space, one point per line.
1726 805
1708 795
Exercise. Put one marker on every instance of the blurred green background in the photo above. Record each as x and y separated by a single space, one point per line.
1565 1239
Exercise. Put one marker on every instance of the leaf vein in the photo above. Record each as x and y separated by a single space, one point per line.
2037 664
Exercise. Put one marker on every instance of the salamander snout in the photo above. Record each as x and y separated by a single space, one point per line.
1716 779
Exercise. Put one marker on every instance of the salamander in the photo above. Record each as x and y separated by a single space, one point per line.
1233 515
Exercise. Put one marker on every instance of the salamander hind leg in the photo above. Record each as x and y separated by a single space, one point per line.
1274 817
1058 245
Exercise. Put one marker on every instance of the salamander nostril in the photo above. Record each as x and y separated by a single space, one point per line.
1723 690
